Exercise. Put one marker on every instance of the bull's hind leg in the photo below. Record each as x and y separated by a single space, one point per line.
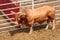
53 24
48 22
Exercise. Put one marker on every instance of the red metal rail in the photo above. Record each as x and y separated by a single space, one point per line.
9 6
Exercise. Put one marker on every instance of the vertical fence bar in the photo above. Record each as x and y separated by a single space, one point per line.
32 4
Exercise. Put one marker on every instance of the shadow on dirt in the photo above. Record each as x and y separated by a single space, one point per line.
35 28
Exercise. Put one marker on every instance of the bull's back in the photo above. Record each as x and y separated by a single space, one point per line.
37 15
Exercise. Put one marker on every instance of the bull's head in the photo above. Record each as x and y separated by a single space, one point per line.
23 19
20 18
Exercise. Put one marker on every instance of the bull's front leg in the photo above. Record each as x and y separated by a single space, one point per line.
31 30
31 27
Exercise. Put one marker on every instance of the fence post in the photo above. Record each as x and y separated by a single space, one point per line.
32 4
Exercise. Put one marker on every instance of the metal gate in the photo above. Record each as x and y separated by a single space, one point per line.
7 22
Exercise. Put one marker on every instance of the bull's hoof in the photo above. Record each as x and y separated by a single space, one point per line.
53 28
46 28
30 32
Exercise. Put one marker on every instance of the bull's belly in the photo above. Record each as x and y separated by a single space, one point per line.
40 21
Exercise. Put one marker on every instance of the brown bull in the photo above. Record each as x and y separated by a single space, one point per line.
41 14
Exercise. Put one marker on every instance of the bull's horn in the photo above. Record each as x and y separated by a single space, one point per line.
12 12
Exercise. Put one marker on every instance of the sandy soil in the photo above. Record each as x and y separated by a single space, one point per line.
38 34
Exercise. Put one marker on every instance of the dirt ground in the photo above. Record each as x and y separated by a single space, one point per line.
38 34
